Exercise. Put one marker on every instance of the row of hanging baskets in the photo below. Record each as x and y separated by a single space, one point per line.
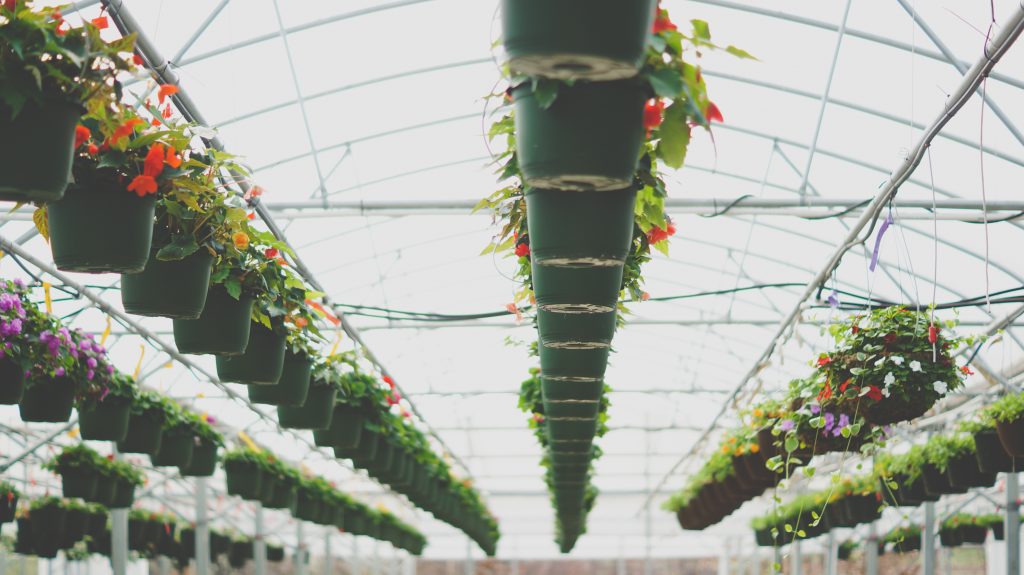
51 524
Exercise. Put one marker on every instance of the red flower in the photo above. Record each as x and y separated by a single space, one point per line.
846 384
166 90
153 165
874 393
825 393
253 192
714 114
933 334
138 60
251 216
100 23
662 22
126 129
855 329
824 360
387 379
523 250
653 114
645 296
92 149
657 235
270 253
167 112
143 186
173 159
966 370
10 5
889 338
82 135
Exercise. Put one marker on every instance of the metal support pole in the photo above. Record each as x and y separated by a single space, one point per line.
723 559
831 555
928 540
299 559
468 567
871 565
355 555
259 544
796 559
119 536
1012 527
328 568
202 550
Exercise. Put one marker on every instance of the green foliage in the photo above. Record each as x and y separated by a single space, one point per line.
1009 408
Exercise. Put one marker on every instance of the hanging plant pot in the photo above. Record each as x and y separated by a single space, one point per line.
106 490
243 479
292 388
221 329
555 389
381 460
570 429
12 381
47 529
577 290
936 481
1011 434
906 494
105 420
145 431
262 362
75 523
588 139
83 238
998 531
315 413
963 472
307 506
580 229
575 330
563 446
992 458
580 408
176 447
345 429
36 165
123 495
48 400
951 537
283 496
574 365
367 448
203 462
175 289
8 507
601 41
79 482
973 534
96 523
240 553
268 482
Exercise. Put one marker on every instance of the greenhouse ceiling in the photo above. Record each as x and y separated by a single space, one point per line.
365 124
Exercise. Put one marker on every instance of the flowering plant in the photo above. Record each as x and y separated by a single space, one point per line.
202 427
115 385
942 448
19 320
75 457
43 58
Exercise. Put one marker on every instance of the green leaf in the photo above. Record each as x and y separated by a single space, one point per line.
792 444
112 159
42 222
701 30
233 287
546 92
739 52
675 137
667 83
179 248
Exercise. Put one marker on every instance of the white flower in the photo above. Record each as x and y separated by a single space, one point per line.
940 387
915 365
890 379
885 391
898 360
880 361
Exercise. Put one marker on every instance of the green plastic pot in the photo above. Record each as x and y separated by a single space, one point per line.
575 330
12 381
176 447
48 400
307 506
315 413
580 229
105 420
124 495
563 446
367 448
106 490
75 523
1011 435
47 529
8 507
243 479
283 497
381 460
35 166
268 482
175 289
588 139
292 388
557 408
262 362
221 329
345 430
100 229
145 432
573 366
79 482
577 290
204 460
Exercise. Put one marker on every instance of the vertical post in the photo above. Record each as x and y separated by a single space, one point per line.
947 556
723 559
299 559
259 544
648 568
468 567
202 549
355 555
1012 527
796 559
831 555
871 553
163 565
328 568
119 536
928 540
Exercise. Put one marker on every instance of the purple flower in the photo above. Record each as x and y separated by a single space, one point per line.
787 425
110 369
103 394
91 362
830 420
59 372
90 374
18 282
815 408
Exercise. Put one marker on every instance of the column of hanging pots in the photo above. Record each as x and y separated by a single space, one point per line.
36 166
293 387
105 419
315 412
221 329
262 362
83 238
47 399
169 288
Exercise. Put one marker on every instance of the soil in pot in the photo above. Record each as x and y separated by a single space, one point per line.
36 165
105 420
12 381
173 289
292 388
1011 434
262 362
48 400
315 413
100 228
221 329
145 432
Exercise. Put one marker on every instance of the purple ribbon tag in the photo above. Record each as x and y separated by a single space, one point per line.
878 241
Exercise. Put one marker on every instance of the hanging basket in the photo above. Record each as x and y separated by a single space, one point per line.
345 430
105 420
268 482
575 330
588 139
292 388
936 482
106 491
566 390
1011 434
222 328
8 507
145 431
262 362
204 460
367 448
307 506
175 289
12 381
48 400
35 166
101 228
176 447
124 495
566 290
243 479
992 458
963 472
315 413
79 482
75 523
283 496
381 459
580 229
573 365
48 530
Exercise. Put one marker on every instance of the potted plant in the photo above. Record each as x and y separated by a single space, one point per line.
1008 413
846 549
48 516
96 524
240 552
992 457
20 323
104 410
48 71
938 452
243 468
78 466
9 497
962 464
126 478
293 387
76 520
177 439
145 424
993 521
52 381
904 539
204 452
316 412
275 553
143 529
951 533
350 412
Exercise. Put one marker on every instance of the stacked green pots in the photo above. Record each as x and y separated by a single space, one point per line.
168 288
262 363
221 329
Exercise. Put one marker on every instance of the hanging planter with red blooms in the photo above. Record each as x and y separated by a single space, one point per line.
48 73
598 41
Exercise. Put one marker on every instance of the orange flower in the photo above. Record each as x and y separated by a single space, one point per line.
167 112
173 159
301 322
754 448
124 130
241 240
252 193
82 135
166 90
154 163
143 185
100 23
